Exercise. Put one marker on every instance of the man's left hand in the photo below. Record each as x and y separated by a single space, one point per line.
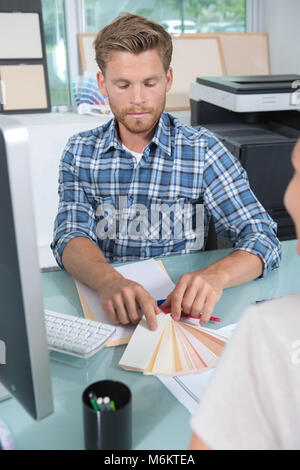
194 293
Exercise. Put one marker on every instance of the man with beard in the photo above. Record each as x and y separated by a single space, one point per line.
133 188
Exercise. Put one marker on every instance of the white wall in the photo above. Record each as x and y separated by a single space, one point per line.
48 135
281 19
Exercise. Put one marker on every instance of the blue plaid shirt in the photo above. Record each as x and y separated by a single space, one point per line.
181 167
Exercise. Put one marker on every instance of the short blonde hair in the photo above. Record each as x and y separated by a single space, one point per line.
135 34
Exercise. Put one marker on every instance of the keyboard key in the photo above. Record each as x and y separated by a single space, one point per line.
74 335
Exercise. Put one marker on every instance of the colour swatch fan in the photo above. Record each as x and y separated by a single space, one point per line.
174 348
88 98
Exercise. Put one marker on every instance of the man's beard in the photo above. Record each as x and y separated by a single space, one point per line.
138 125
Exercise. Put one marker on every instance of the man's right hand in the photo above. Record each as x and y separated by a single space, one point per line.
121 298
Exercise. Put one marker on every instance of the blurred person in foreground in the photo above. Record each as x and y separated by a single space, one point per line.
252 400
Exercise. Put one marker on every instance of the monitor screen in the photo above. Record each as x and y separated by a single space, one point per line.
24 369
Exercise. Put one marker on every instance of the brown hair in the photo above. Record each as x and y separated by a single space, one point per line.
135 34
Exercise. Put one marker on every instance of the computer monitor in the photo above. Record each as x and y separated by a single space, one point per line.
24 365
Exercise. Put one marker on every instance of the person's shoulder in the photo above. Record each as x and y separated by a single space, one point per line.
86 145
278 316
90 137
187 133
275 307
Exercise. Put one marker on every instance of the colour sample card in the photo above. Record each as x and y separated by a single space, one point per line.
23 87
174 348
20 36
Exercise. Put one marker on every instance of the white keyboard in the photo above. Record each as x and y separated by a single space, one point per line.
75 335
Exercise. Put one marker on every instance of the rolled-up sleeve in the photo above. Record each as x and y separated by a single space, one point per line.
76 216
237 213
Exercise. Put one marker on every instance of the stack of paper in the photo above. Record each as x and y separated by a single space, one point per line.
174 348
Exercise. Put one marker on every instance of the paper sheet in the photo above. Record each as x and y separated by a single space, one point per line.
189 389
148 273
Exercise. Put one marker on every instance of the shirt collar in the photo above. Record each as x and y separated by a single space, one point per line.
162 136
112 138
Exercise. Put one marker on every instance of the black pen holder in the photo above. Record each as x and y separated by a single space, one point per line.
108 429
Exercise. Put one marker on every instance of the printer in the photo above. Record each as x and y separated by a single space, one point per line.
258 120
249 93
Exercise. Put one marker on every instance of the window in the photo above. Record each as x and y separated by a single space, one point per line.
177 16
56 50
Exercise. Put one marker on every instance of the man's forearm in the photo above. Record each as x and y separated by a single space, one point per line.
85 261
237 268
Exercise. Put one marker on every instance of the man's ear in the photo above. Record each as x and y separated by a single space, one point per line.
101 83
169 79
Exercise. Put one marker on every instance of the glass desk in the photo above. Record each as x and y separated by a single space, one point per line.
159 420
